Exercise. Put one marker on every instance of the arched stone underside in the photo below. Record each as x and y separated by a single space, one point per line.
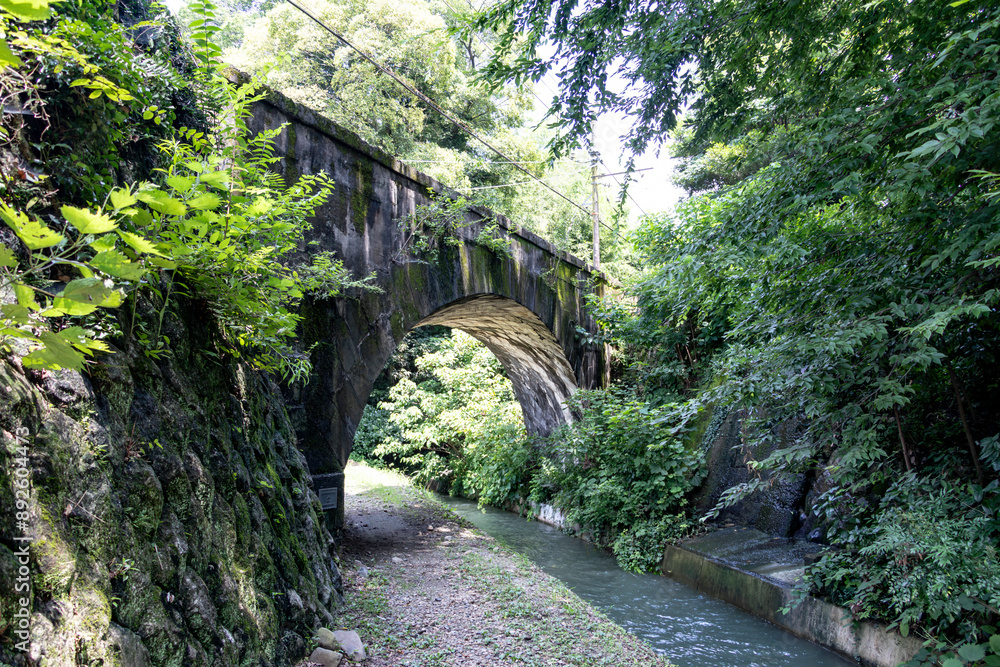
531 355
526 305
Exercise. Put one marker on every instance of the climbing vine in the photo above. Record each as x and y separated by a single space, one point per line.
435 226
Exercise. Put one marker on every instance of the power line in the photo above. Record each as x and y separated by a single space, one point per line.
540 180
395 77
614 176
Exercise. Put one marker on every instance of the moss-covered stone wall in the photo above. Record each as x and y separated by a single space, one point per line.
171 519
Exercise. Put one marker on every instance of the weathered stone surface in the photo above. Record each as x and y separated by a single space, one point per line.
777 509
325 657
127 647
67 388
153 540
526 307
348 642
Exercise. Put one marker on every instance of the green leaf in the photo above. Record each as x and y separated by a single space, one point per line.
205 201
995 643
122 198
971 652
55 354
180 183
163 263
61 306
16 314
952 662
138 243
161 202
118 265
85 295
86 221
142 218
7 257
27 10
260 206
79 338
219 179
25 296
32 232
102 243
993 661
7 57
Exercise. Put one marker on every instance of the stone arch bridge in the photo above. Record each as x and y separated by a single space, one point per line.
526 306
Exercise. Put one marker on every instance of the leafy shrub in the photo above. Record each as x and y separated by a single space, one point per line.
373 429
927 560
639 547
450 419
622 472
497 467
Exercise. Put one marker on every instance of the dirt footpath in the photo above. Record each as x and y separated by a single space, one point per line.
423 588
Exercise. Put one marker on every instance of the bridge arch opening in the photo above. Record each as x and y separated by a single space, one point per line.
441 396
533 361
529 352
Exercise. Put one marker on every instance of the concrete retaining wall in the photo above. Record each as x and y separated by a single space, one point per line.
818 621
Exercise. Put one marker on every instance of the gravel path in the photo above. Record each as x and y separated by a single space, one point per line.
425 589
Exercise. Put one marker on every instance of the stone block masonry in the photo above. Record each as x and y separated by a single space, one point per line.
170 519
526 307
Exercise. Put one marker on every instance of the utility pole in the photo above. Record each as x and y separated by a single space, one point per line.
595 211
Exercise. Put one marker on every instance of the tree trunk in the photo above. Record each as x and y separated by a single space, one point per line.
902 441
973 450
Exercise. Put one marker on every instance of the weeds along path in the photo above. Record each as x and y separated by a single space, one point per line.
436 591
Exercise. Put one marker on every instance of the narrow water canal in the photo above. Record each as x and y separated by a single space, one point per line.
691 629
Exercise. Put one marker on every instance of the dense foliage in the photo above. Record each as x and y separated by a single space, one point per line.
447 414
622 472
417 41
834 270
213 223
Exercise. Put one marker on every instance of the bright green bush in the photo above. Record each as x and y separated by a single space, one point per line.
623 472
927 560
451 419
496 469
373 428
639 547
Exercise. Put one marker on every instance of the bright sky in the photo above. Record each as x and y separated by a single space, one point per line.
651 190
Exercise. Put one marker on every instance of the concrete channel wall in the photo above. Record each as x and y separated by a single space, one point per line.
821 622
828 625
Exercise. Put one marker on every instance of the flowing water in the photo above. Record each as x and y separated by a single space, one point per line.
691 629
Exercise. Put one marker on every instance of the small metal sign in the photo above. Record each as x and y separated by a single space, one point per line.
328 497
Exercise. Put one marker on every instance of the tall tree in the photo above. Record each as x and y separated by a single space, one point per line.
836 270
416 41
